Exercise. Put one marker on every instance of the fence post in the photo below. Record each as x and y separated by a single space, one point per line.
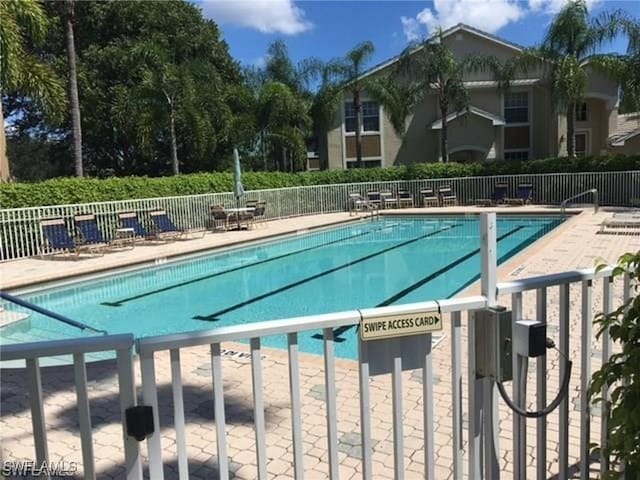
485 407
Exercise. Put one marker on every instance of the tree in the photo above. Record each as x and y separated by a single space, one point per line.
567 49
21 71
283 118
106 34
345 74
282 103
625 68
74 101
429 67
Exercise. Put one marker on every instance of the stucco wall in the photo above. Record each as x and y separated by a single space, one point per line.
598 84
597 125
470 133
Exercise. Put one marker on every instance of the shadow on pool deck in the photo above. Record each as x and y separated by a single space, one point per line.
105 403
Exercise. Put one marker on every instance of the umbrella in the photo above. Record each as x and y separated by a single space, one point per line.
238 189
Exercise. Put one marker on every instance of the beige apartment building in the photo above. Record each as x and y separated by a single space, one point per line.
516 124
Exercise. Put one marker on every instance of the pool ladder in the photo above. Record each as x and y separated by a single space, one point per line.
563 205
49 313
375 213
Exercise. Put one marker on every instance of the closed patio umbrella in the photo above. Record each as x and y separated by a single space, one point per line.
238 188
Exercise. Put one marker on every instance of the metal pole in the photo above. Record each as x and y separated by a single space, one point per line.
486 398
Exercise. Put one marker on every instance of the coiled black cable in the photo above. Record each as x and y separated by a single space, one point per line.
564 387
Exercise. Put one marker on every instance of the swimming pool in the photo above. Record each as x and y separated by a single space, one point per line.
389 261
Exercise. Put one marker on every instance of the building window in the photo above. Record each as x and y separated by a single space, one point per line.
370 117
581 112
516 155
365 163
581 144
516 107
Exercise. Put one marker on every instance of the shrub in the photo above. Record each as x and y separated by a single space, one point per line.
620 376
82 190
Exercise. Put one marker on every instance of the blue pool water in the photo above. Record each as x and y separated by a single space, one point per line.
367 264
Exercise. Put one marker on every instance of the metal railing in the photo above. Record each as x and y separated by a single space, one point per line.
56 316
596 203
483 453
21 236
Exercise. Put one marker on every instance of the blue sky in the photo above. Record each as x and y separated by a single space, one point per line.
329 28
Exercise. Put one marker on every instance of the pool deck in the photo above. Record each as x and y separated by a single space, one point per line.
575 244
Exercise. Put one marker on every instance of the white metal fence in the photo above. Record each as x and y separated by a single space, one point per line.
483 454
21 236
122 345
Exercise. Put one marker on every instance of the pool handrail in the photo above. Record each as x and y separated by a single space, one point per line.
56 316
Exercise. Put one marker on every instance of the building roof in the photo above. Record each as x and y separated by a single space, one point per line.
493 83
445 33
495 119
628 127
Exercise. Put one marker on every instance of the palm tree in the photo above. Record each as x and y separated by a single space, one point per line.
74 101
165 95
568 47
428 67
268 85
347 76
22 72
624 68
284 122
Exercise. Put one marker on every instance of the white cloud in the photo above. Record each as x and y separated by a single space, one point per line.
266 16
487 15
553 6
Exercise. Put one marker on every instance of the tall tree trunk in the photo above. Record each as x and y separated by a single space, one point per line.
5 173
74 100
264 153
444 134
357 105
283 160
571 130
174 145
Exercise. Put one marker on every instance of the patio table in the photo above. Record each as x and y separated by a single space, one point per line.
238 211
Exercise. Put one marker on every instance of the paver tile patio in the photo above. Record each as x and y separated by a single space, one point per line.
573 245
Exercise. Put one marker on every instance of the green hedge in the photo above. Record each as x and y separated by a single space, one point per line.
82 190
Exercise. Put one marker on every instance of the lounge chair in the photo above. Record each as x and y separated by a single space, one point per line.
358 203
447 196
166 229
130 220
88 229
405 199
251 203
524 194
388 200
55 232
373 196
429 198
622 221
220 218
500 193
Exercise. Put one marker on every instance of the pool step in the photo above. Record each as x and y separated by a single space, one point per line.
8 318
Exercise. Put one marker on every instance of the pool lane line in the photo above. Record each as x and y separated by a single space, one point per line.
502 258
213 316
119 303
437 273
339 331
